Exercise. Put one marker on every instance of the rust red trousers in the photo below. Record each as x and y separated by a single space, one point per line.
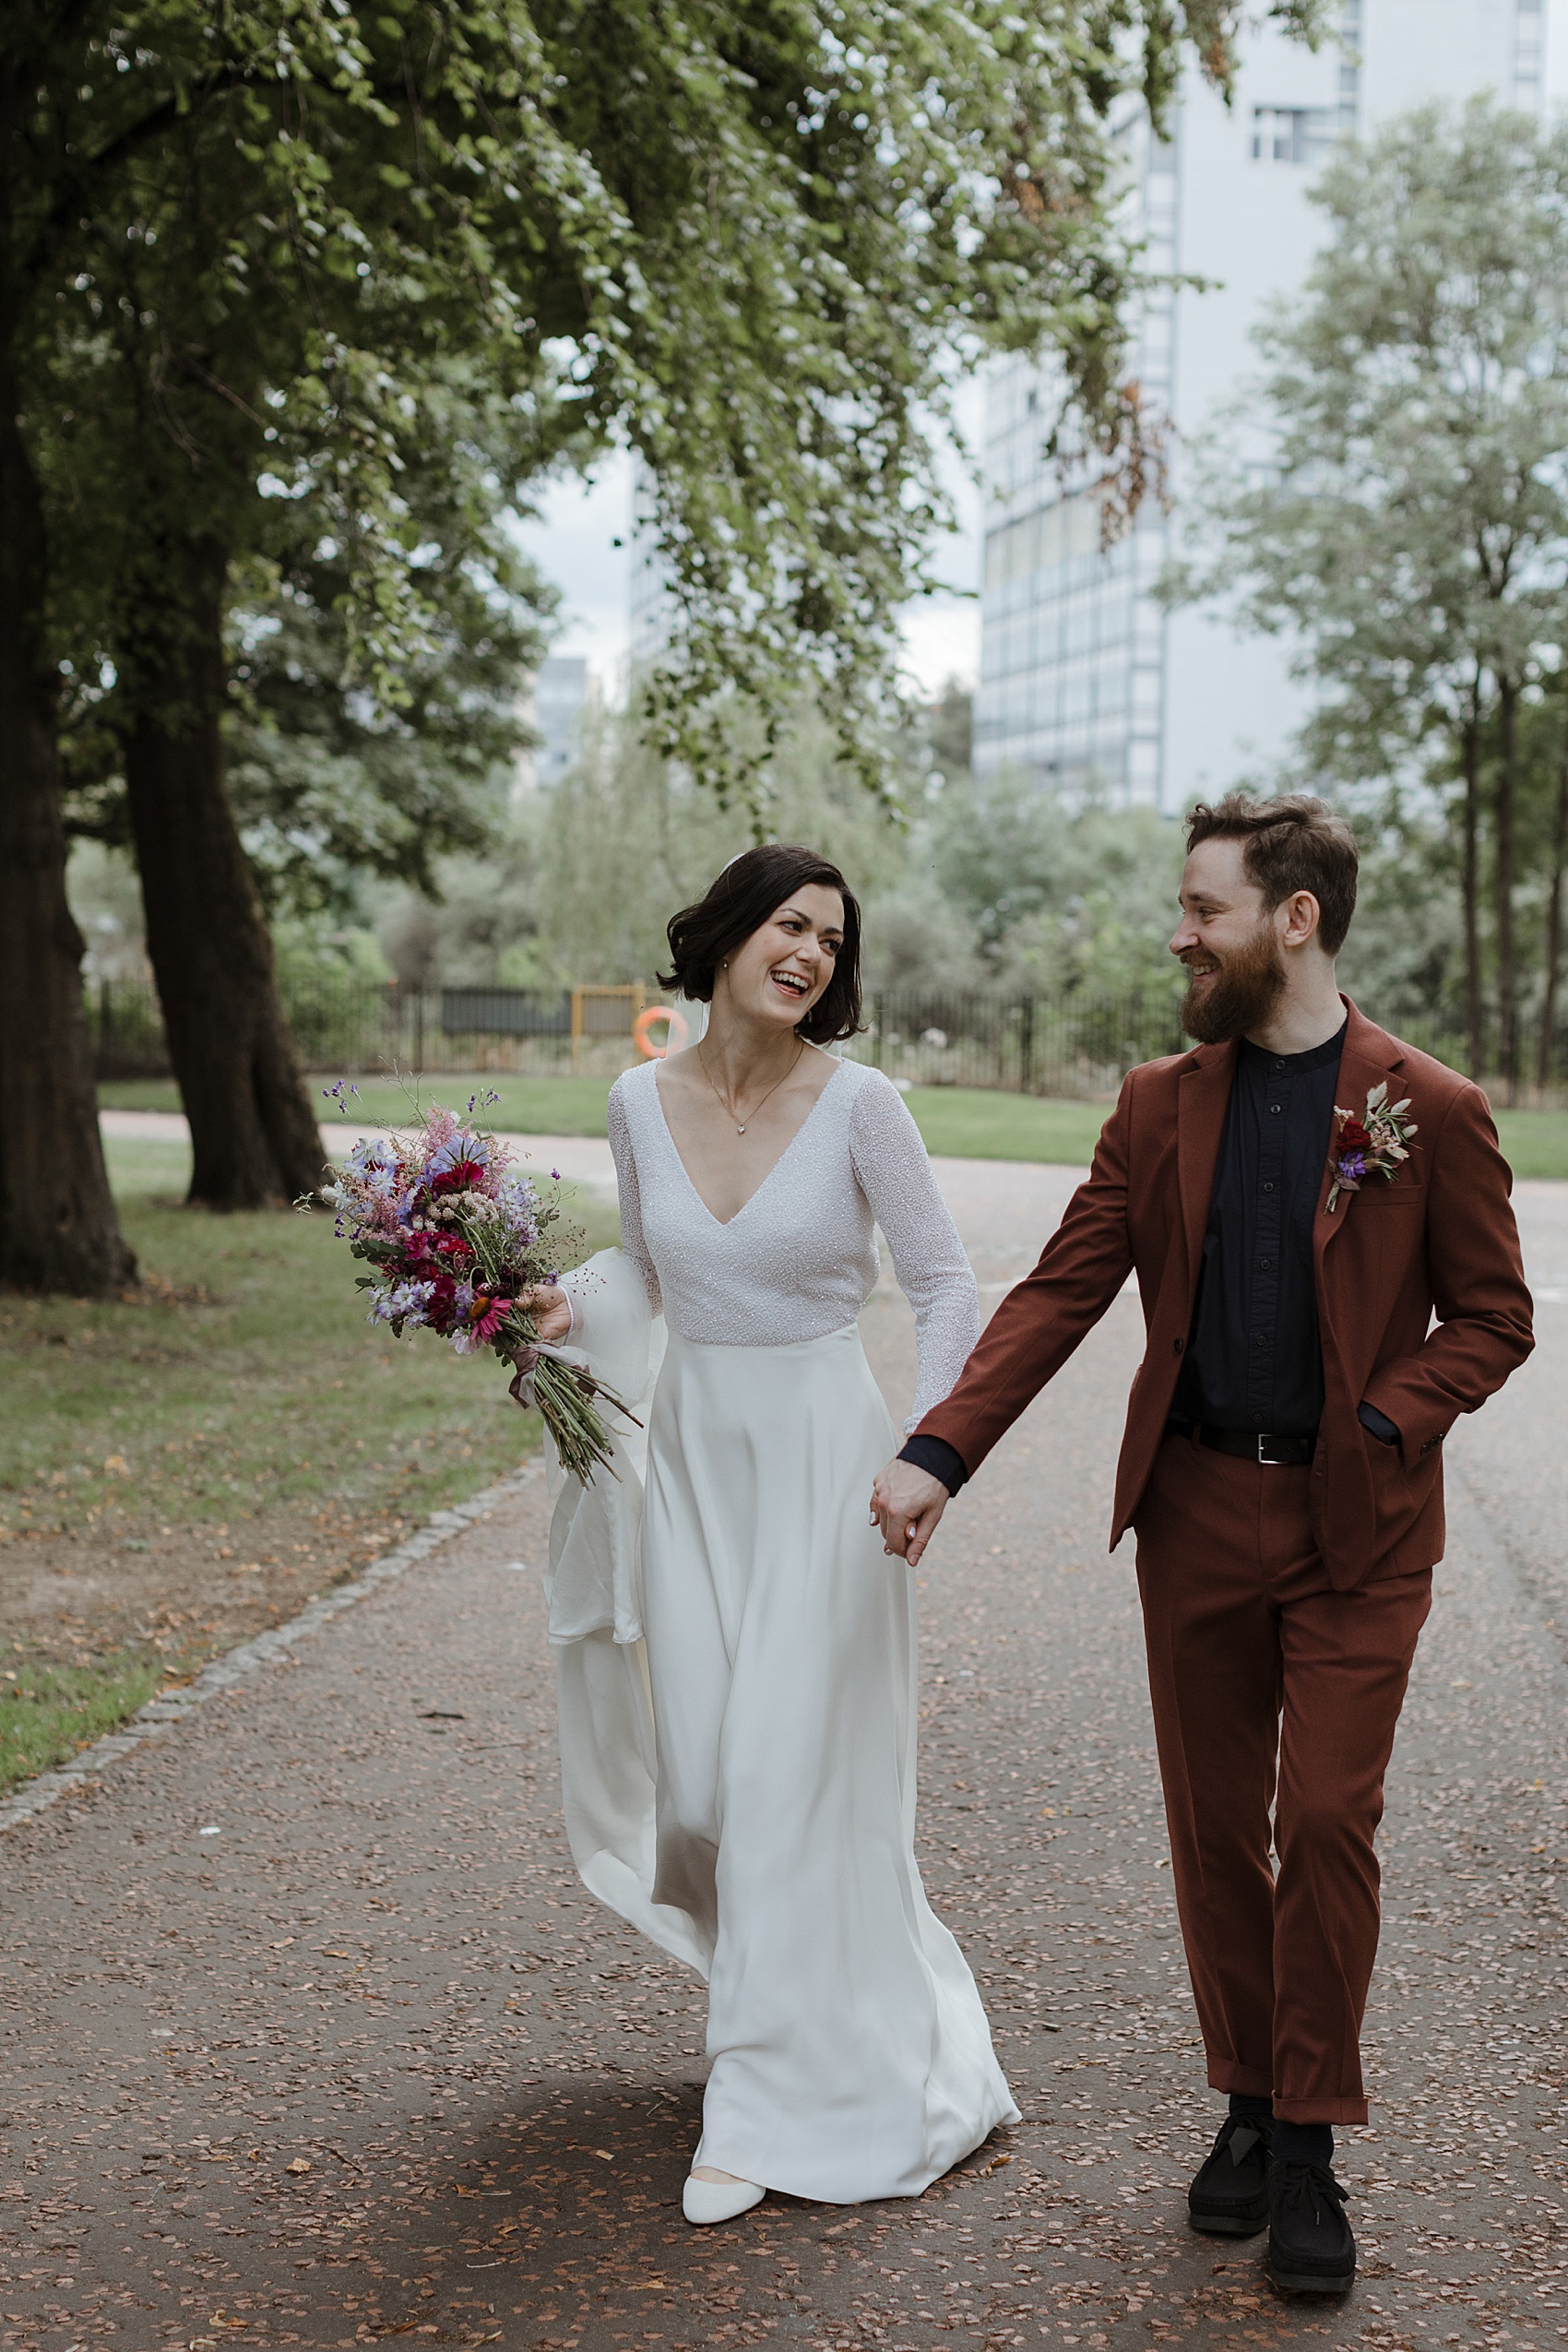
1273 1694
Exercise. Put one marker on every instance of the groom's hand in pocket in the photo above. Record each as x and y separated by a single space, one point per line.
906 1504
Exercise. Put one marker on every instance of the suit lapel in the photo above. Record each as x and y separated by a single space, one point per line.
1201 1101
1369 1055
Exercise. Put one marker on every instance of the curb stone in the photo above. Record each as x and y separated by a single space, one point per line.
172 1707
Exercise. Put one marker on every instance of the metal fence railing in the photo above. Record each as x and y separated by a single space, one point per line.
352 1026
1078 1044
1074 1044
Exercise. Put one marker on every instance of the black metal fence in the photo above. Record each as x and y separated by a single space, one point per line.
1076 1044
351 1027
1079 1043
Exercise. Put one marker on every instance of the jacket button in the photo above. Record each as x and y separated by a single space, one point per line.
1177 1346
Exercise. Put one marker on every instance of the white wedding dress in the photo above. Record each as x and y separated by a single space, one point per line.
736 1651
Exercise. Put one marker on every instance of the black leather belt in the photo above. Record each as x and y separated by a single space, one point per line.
1249 1445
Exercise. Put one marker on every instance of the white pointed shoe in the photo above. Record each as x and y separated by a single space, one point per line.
708 2201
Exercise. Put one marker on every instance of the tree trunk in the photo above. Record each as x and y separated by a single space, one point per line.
253 1137
58 1228
1502 804
1554 918
1470 889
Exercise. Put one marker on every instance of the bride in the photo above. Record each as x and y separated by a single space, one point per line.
735 1650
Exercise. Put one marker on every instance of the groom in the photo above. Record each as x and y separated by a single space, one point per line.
1282 1465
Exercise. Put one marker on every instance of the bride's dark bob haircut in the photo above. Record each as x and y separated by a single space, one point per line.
739 901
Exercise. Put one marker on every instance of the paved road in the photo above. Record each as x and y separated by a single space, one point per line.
330 1923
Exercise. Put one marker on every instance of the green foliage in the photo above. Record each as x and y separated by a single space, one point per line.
1404 961
986 887
333 780
589 873
253 250
1053 900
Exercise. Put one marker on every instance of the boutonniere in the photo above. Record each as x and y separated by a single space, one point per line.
1372 1146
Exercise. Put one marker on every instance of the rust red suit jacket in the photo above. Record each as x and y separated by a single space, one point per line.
1439 1238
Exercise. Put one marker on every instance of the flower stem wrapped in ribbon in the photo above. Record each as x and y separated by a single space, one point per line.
457 1237
1371 1145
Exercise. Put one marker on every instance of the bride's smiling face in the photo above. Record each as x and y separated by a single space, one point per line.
780 972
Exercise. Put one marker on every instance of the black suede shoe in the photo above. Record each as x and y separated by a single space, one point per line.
1230 2196
1311 2250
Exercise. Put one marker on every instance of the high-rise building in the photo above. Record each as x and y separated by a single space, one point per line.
563 691
1087 684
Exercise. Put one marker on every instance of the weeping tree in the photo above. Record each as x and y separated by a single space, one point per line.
242 242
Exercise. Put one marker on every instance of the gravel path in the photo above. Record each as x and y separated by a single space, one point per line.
311 2037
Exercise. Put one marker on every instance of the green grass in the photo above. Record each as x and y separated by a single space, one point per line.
138 1094
48 1712
248 1377
958 1122
526 1106
242 1377
1536 1142
970 1122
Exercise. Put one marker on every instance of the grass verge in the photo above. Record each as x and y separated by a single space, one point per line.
184 1466
49 1712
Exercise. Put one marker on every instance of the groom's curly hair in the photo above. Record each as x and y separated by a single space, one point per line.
739 901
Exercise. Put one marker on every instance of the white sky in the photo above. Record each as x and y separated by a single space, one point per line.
573 544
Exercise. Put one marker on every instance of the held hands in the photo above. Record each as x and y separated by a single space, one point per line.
550 1310
906 1504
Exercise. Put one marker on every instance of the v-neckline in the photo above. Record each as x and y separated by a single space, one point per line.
724 1223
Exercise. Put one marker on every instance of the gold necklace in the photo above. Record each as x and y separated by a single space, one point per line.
773 1090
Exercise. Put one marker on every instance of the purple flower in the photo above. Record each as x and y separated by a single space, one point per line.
457 1148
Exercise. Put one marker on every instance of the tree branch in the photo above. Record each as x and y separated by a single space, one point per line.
123 145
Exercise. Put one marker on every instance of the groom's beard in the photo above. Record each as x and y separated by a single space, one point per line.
1244 991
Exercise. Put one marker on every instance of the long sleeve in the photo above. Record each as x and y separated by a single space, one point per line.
631 1241
892 1170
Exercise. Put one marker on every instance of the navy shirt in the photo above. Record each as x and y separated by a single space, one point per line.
1253 1360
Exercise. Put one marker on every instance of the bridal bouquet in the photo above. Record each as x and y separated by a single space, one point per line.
455 1235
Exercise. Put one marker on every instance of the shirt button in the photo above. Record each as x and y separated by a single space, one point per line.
1260 1339
1268 1188
1177 1346
1274 1108
1265 1263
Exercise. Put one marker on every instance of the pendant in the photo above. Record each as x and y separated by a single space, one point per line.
739 1130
